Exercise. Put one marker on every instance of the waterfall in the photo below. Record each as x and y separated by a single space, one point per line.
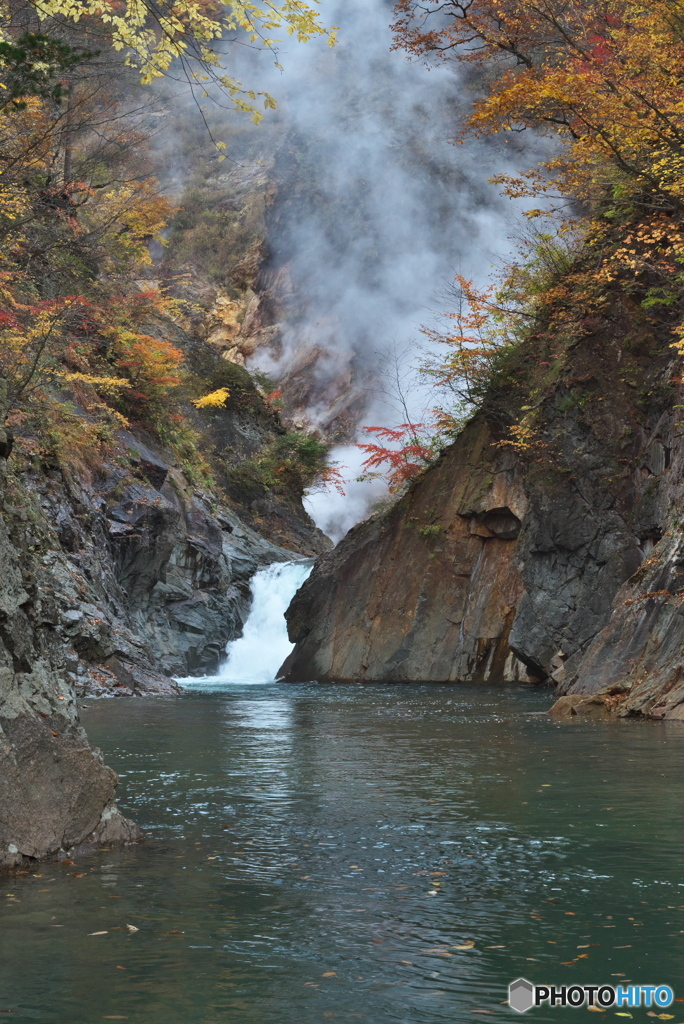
264 645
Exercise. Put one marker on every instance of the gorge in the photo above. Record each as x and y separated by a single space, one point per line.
341 617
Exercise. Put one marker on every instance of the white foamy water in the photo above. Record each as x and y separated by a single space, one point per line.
264 645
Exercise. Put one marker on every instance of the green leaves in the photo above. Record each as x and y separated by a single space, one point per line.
33 65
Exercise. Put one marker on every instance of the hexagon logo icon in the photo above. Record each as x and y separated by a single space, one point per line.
521 995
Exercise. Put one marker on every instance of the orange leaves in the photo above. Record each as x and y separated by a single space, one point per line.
150 362
331 477
399 464
475 332
607 78
33 337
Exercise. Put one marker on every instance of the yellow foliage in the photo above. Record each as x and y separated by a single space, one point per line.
153 37
215 398
125 219
606 79
106 384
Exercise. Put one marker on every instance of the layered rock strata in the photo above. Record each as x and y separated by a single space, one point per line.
148 576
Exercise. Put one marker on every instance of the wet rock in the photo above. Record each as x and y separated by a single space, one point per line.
156 579
595 706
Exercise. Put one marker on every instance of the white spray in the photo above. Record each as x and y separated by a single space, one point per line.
264 645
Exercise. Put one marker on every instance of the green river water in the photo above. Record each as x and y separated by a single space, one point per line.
321 853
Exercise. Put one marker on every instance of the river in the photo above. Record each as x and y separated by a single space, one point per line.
326 853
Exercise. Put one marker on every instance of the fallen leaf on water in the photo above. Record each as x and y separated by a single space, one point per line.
665 1016
68 863
622 1014
409 963
570 913
495 947
330 974
115 1018
310 984
132 928
596 1009
176 931
583 956
568 963
97 933
78 874
622 947
467 945
585 946
120 968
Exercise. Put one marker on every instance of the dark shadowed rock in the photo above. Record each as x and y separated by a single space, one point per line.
427 591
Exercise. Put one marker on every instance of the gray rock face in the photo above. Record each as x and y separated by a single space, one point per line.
111 584
540 561
55 791
147 583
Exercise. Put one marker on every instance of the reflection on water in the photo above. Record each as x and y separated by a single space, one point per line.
321 854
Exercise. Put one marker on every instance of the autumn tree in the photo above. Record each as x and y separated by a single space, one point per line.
606 79
184 35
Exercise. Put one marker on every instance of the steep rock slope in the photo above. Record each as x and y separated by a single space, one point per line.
150 576
55 791
506 560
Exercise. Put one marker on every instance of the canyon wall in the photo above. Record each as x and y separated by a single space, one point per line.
549 554
116 578
55 791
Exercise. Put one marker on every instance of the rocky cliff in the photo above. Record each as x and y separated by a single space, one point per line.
55 791
550 553
121 571
149 575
